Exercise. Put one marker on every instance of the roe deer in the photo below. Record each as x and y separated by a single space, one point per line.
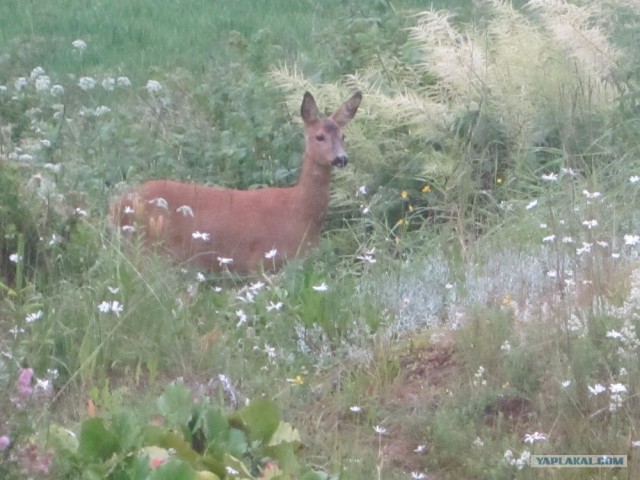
243 230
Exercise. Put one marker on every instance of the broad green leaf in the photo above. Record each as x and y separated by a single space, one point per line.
285 455
204 475
96 442
285 433
260 418
173 470
126 428
176 404
154 435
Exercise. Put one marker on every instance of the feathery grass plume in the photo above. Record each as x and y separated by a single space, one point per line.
575 28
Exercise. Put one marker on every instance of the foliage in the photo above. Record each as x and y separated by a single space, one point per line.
191 439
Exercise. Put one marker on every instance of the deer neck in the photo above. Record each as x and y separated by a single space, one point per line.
313 189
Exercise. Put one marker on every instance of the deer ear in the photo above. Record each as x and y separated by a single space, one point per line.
309 109
347 110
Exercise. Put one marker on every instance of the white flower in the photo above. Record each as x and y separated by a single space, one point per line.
128 228
271 254
185 210
323 287
365 210
79 44
256 286
46 144
567 240
242 317
123 82
590 195
380 430
113 290
634 179
231 471
508 456
101 110
43 83
43 385
200 277
274 306
269 350
550 238
531 204
566 383
20 83
108 83
613 334
32 317
160 203
362 190
57 90
87 83
569 171
128 210
25 157
153 86
224 261
617 388
111 307
534 437
631 239
549 177
15 258
116 307
204 236
36 72
448 286
552 274
80 212
368 256
478 442
597 389
355 408
635 443
590 223
506 346
420 448
418 475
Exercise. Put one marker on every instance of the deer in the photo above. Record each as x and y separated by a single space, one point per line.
243 231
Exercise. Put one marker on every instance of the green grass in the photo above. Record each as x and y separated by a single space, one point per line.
479 252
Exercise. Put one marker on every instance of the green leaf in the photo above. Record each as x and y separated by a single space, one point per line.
285 433
176 404
260 418
127 429
173 470
156 436
96 442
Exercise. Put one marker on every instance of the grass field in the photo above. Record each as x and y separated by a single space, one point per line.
475 297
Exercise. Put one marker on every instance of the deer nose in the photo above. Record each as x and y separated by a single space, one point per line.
340 161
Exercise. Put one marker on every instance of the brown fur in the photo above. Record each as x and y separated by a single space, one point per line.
243 224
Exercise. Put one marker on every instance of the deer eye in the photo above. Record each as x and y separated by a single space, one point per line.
320 137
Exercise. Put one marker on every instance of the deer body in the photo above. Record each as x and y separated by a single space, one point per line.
218 228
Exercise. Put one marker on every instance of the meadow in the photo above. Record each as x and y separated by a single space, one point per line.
475 298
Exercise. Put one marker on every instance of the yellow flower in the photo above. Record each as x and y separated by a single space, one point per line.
299 380
426 189
404 194
400 222
499 180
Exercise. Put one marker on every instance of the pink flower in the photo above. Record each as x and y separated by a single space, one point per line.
5 441
24 383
